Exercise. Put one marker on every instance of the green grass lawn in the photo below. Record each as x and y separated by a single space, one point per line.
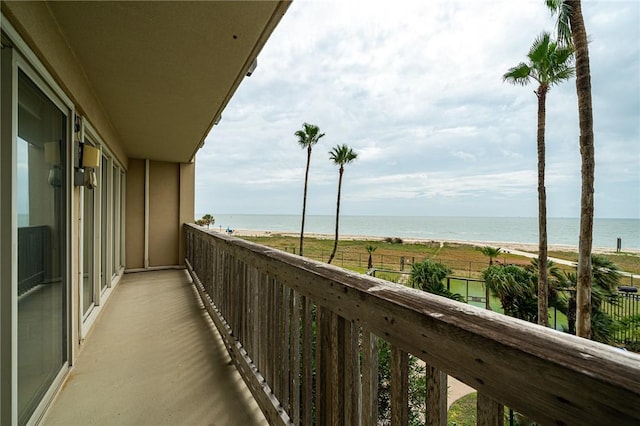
628 262
465 260
463 412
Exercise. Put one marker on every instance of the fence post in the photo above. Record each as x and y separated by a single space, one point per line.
402 263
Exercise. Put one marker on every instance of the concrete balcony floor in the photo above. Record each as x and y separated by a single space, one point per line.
154 358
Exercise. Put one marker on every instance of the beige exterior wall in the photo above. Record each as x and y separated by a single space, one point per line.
134 223
187 202
39 30
164 207
170 204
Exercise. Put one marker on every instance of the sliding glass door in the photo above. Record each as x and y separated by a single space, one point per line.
42 244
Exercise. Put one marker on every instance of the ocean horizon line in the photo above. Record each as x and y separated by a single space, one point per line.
560 231
416 216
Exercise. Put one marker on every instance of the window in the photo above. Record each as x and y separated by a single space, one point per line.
42 243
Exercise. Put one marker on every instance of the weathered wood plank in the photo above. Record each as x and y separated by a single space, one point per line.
338 368
277 341
399 387
352 382
489 411
369 378
285 351
307 361
568 379
296 357
322 405
436 404
259 388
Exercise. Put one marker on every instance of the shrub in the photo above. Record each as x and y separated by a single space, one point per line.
428 276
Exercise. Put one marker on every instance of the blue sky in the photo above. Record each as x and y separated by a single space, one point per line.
415 88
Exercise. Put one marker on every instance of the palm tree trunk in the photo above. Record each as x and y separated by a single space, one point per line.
585 115
335 242
304 198
543 291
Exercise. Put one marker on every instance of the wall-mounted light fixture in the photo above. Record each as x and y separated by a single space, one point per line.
90 157
89 161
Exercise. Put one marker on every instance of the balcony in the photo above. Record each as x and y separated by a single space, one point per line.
304 336
154 357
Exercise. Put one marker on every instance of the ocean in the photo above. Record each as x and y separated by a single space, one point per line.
562 231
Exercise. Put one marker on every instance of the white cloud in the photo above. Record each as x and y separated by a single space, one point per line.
415 88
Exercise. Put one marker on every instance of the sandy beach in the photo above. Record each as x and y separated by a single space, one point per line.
511 246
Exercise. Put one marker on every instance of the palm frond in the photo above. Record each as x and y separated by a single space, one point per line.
519 75
562 74
342 154
309 135
540 48
564 54
563 25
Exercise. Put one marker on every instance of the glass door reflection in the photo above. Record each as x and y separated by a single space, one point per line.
42 247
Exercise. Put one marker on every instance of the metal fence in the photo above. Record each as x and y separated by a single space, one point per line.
395 262
625 311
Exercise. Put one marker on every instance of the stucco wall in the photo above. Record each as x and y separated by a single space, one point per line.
134 227
164 205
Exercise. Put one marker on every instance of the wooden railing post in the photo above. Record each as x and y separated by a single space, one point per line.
489 411
307 361
436 407
352 381
296 357
399 387
369 378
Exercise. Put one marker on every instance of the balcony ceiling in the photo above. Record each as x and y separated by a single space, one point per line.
164 71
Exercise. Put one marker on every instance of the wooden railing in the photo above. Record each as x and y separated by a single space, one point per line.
304 335
33 248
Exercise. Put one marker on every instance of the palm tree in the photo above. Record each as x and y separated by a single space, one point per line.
605 278
370 249
340 155
309 136
428 276
208 220
549 64
572 31
491 253
556 281
514 286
